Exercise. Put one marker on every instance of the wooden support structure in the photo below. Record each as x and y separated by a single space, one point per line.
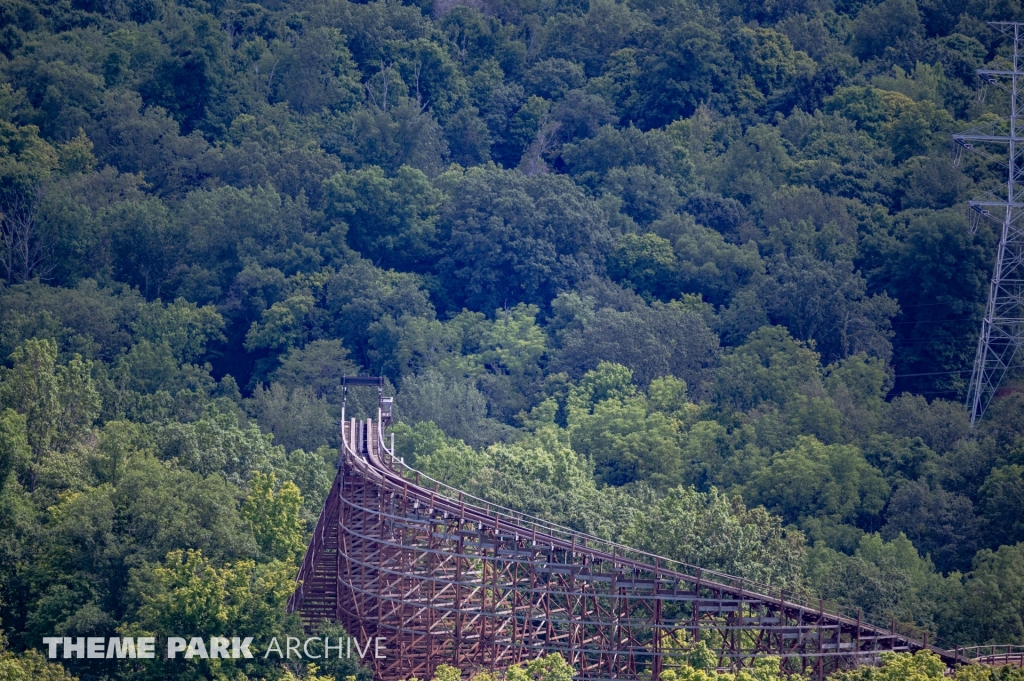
444 577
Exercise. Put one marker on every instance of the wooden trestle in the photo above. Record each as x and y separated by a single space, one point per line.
445 578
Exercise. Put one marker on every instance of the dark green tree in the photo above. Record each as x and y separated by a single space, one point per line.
507 238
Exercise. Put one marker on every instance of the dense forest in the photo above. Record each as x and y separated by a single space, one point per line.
693 275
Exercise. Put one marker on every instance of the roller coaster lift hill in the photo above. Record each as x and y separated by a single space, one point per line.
448 578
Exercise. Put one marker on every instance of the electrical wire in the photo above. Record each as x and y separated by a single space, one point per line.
937 321
907 307
936 373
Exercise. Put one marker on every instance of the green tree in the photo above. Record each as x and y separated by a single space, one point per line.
894 24
765 55
26 242
939 273
454 403
15 453
512 348
885 579
940 424
509 239
753 168
144 243
96 533
59 402
215 442
769 367
188 82
715 532
446 672
434 80
451 461
645 195
185 326
645 263
626 438
827 303
551 667
1002 505
590 160
29 666
991 604
688 67
707 264
273 517
317 73
364 304
319 365
89 319
390 220
652 341
822 488
920 666
282 326
942 525
189 593
396 136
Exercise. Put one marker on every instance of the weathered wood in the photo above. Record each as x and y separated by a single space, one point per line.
446 578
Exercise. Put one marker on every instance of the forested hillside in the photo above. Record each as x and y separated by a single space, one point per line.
692 275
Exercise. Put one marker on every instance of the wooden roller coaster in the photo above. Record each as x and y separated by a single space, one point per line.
447 578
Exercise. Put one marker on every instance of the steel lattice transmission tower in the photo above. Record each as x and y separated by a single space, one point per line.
1002 330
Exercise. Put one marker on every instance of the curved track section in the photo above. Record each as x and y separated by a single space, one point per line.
445 577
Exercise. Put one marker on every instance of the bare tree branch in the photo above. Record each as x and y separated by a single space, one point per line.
26 245
532 162
385 76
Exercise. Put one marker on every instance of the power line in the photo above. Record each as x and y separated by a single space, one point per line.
948 340
935 373
906 307
937 321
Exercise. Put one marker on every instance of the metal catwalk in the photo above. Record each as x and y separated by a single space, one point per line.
447 578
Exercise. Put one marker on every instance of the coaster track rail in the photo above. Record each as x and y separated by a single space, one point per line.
446 577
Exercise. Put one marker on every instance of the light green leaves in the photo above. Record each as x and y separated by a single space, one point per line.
273 517
715 532
59 402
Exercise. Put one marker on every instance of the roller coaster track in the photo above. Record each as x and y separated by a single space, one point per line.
444 577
